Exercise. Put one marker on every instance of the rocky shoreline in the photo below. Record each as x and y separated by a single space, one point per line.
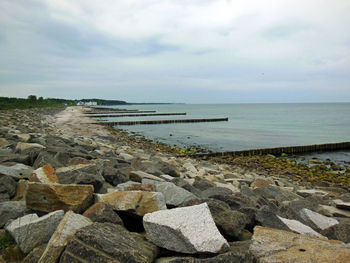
74 191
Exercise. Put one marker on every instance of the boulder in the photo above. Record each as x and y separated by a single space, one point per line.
268 218
8 186
333 211
108 243
35 254
31 231
272 245
81 177
137 202
22 146
316 220
17 171
186 229
215 191
158 168
259 182
11 210
68 226
173 194
202 183
4 143
44 175
276 193
137 176
21 190
102 212
113 176
51 197
339 231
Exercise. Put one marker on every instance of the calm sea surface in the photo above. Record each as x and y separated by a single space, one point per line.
249 126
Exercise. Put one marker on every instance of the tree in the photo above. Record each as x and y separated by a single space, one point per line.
32 97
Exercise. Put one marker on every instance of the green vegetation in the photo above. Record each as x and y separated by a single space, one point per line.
5 240
31 102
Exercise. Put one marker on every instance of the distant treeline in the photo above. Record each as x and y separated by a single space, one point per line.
32 101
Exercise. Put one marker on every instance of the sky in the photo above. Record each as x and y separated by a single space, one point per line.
198 51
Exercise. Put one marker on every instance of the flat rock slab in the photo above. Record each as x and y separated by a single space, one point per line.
174 195
51 197
108 243
341 204
68 226
17 171
137 176
311 192
271 245
138 202
300 228
333 211
31 231
317 220
187 230
22 146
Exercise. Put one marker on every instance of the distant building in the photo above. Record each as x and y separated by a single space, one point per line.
88 103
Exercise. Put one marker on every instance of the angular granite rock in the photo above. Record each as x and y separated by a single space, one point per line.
186 229
68 226
31 231
316 220
173 194
339 231
8 186
341 204
44 175
108 243
11 210
22 146
300 228
333 211
311 192
51 197
137 176
272 245
138 202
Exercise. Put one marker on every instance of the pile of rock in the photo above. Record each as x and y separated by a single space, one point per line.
71 192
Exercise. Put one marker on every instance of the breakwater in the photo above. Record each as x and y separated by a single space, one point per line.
135 115
328 147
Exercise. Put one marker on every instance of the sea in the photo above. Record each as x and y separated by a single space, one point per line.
249 126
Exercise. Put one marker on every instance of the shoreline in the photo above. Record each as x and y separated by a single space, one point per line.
243 195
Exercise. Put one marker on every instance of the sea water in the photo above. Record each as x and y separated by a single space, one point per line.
249 125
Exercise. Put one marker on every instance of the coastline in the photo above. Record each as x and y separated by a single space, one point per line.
243 193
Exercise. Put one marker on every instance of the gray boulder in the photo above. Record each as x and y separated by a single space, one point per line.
103 213
108 243
173 194
17 171
340 232
8 186
186 229
31 231
11 210
316 220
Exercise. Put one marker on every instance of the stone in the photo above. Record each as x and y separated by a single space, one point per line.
215 191
35 254
340 232
137 202
135 186
276 193
102 212
51 197
108 243
333 211
21 190
158 167
126 157
137 176
22 146
202 184
186 229
44 175
299 227
23 137
4 143
68 226
8 186
310 192
79 177
173 194
78 160
113 176
341 204
31 231
268 218
11 210
316 220
18 171
272 245
259 182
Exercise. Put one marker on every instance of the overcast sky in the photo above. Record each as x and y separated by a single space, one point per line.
198 51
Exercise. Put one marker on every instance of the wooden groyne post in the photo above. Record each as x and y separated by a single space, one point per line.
117 112
161 121
134 115
328 147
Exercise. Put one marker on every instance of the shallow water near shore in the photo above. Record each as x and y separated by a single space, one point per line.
250 125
